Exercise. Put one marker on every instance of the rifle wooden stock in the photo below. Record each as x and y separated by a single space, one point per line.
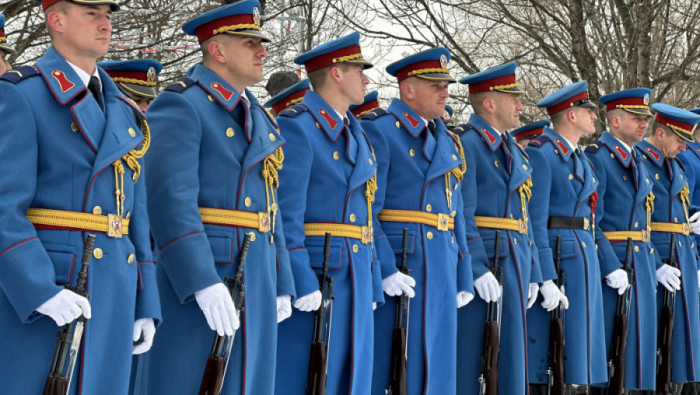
618 346
557 340
217 361
399 338
318 358
58 381
489 357
665 334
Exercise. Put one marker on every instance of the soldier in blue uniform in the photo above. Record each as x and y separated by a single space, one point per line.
672 128
625 204
562 208
5 48
496 191
328 185
524 134
370 103
288 97
72 148
212 180
448 118
137 78
420 167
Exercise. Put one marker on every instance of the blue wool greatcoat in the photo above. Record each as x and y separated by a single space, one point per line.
691 165
58 147
324 179
623 187
495 169
562 185
669 181
198 162
412 166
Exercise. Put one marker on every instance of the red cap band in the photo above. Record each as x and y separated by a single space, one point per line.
327 59
428 64
532 132
627 101
137 75
366 107
206 31
48 3
687 127
568 103
287 101
485 86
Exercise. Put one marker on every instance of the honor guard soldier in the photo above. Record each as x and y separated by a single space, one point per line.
328 185
496 191
623 212
288 97
524 134
447 118
137 78
562 209
213 182
72 149
674 214
5 48
370 104
420 167
690 158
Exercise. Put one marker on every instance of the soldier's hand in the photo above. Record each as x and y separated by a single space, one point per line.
284 307
669 277
532 294
487 287
694 221
310 302
218 308
398 284
463 298
618 280
65 306
144 330
553 296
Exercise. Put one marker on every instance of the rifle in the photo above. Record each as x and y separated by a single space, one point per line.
665 336
318 361
70 335
399 338
488 373
618 346
217 361
555 371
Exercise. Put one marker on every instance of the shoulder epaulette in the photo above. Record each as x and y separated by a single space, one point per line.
461 129
180 85
293 111
593 147
16 75
374 114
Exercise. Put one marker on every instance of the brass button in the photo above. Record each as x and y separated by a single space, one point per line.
428 207
131 258
252 236
318 126
636 248
230 132
571 177
530 243
454 157
452 239
211 98
612 155
272 239
675 219
370 162
412 152
336 155
430 235
398 124
497 163
651 251
593 179
648 181
97 253
97 210
656 176
355 248
556 152
247 202
272 137
524 167
128 214
74 127
636 224
680 244
453 213
353 217
624 178
515 241
132 132
583 244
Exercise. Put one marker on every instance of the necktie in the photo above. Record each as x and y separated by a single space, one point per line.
346 121
95 89
432 128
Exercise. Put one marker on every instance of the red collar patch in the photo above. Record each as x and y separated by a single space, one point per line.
491 138
225 93
653 153
332 122
564 148
63 81
622 152
411 120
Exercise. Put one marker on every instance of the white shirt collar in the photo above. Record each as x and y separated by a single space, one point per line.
627 147
84 76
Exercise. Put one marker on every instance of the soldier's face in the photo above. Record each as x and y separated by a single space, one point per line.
670 143
631 127
141 102
4 64
84 32
245 58
353 83
585 120
429 97
508 109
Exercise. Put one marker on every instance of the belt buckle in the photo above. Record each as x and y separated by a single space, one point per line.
263 222
114 226
645 234
522 226
586 223
443 222
366 236
686 229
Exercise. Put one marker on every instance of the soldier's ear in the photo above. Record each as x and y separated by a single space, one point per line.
55 21
215 53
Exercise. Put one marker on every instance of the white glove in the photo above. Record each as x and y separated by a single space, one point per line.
398 284
694 221
532 294
217 305
65 306
284 307
669 277
374 306
310 302
618 280
553 296
487 287
144 329
463 298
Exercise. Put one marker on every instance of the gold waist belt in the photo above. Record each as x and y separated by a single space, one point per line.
241 219
441 221
112 225
362 233
639 235
517 225
670 227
